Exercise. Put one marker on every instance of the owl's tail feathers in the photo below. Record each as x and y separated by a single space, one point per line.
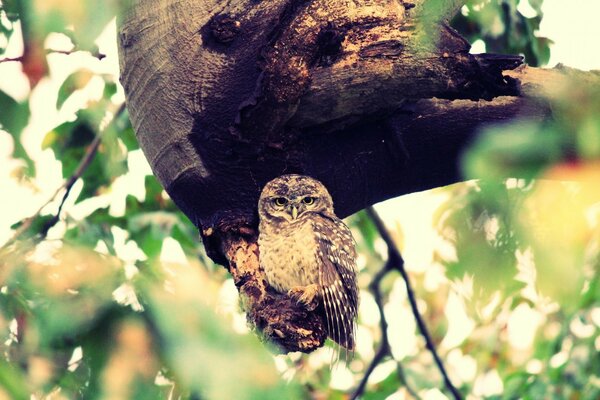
340 314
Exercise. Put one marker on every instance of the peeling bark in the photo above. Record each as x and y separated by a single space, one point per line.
375 98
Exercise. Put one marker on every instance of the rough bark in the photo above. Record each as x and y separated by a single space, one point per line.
376 98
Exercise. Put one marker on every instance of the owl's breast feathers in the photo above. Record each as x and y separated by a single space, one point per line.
288 255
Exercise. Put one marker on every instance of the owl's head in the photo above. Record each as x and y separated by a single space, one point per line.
293 197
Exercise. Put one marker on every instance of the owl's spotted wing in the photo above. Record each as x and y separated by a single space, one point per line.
337 278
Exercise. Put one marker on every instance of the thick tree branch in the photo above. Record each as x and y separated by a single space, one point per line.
375 100
257 104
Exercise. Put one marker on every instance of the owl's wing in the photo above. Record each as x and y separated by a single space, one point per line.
337 278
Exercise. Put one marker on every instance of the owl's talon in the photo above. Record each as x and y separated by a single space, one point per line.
305 295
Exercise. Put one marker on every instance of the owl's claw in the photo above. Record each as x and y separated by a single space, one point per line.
305 295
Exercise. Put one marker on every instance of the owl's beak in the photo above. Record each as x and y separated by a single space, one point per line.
294 212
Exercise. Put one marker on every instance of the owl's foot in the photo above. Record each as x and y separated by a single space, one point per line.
305 295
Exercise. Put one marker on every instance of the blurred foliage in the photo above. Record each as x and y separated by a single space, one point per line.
73 324
504 29
90 308
533 241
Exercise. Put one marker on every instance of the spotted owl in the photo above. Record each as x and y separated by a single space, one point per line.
307 252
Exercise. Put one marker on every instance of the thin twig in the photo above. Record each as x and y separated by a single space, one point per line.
67 185
11 59
384 346
399 266
94 54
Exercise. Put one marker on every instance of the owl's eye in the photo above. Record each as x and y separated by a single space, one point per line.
308 200
280 201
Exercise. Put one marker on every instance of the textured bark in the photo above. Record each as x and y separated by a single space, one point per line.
375 98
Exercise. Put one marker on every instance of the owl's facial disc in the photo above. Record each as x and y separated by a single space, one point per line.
294 207
298 206
293 197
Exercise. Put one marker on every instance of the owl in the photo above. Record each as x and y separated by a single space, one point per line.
308 253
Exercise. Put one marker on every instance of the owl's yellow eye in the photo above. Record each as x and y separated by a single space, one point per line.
280 201
308 200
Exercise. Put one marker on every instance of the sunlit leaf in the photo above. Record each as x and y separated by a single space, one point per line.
555 220
384 388
110 88
127 135
13 118
70 290
86 18
77 80
367 229
71 142
114 153
478 224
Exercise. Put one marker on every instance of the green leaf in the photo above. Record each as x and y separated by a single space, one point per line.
97 344
114 153
479 223
13 118
503 28
11 8
519 150
70 142
153 190
77 80
12 381
384 388
39 225
150 229
94 228
127 135
110 88
367 229
186 236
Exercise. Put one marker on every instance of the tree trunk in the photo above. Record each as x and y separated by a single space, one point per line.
375 98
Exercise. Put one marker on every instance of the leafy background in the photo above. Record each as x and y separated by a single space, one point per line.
105 291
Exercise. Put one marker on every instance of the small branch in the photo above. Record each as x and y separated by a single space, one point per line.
398 262
67 185
11 59
95 54
384 347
